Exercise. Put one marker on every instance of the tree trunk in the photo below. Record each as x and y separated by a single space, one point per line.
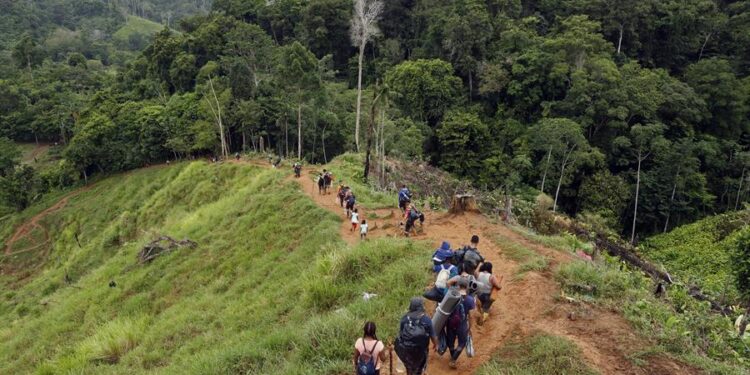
739 190
637 191
323 141
619 41
671 200
700 55
471 87
370 127
286 136
559 183
299 131
546 168
359 96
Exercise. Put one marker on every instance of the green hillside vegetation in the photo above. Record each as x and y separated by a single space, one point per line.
700 253
539 354
135 33
270 288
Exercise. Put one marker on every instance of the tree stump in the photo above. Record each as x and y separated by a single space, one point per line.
463 203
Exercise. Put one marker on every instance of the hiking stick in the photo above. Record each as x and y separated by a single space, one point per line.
390 357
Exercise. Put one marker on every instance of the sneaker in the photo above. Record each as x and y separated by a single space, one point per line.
452 364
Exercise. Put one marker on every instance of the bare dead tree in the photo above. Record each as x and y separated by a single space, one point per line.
363 29
215 107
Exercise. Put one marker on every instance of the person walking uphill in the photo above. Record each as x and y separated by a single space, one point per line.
327 180
321 184
469 255
369 352
404 197
415 333
458 327
487 283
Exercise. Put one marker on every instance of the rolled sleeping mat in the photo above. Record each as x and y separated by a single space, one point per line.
444 309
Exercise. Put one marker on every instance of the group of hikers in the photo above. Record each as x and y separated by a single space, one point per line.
464 289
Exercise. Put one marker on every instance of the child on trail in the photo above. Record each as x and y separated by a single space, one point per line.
355 220
415 334
363 230
487 283
369 352
321 184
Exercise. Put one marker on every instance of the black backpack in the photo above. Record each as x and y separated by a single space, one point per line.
472 256
414 335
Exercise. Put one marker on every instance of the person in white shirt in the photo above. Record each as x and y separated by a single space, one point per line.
363 230
355 219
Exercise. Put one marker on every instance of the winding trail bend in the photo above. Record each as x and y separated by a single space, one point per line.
525 306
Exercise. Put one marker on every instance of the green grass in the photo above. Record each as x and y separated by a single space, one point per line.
528 259
348 169
680 325
270 289
136 25
700 253
540 354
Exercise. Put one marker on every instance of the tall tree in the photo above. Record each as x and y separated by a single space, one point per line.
298 71
641 143
364 27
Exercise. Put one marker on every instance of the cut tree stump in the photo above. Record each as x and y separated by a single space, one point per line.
463 203
161 246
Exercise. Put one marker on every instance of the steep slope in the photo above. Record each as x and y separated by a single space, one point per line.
274 286
270 289
527 305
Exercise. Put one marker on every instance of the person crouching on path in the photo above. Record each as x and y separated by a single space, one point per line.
355 219
413 342
369 352
487 283
458 327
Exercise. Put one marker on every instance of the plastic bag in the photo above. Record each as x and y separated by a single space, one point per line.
470 346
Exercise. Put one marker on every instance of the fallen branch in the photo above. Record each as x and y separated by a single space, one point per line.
160 246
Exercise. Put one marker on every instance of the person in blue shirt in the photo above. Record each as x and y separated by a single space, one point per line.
458 327
404 197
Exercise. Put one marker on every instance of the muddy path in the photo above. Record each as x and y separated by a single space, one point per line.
525 306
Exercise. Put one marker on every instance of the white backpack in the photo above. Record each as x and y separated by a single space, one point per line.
442 278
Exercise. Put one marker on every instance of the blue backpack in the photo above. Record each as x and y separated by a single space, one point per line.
366 366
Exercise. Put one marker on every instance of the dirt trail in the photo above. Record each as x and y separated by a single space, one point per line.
26 228
524 307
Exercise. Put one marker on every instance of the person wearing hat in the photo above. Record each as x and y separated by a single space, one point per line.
441 255
458 327
415 334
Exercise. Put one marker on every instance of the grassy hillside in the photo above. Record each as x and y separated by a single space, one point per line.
270 288
135 27
699 253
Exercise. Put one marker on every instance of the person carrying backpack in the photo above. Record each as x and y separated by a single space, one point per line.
404 197
415 333
487 283
321 183
351 200
441 255
458 327
327 179
297 169
369 352
470 255
411 215
340 193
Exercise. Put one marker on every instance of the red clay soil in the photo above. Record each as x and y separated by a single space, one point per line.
524 307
